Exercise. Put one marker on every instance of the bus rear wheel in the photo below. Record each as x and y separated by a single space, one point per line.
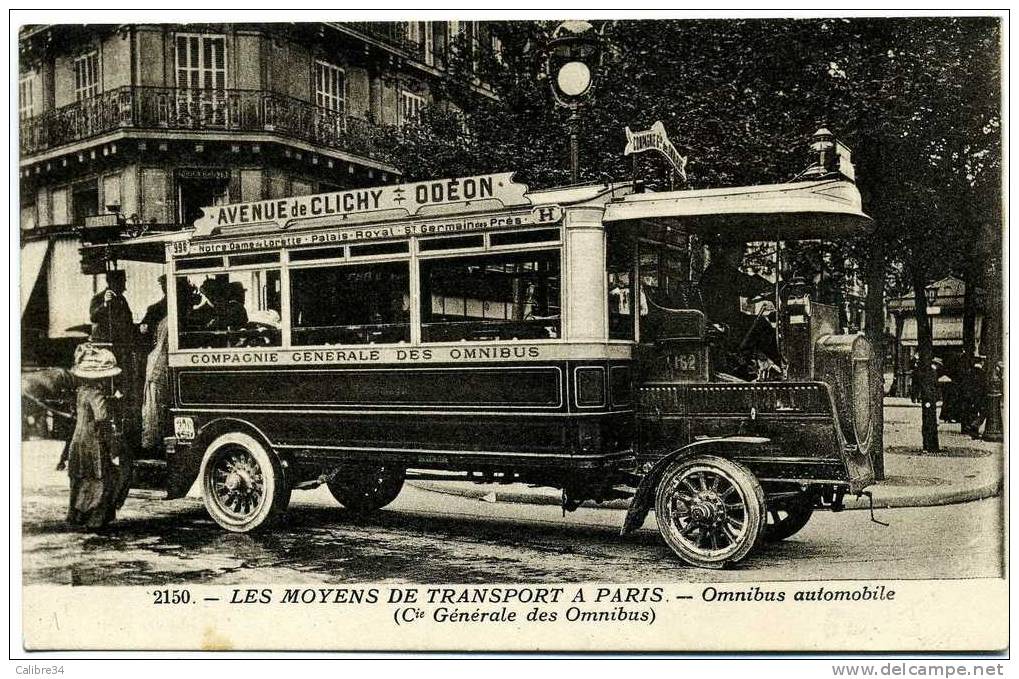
365 488
243 486
787 517
710 510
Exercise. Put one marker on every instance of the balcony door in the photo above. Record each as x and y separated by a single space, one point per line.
330 101
201 81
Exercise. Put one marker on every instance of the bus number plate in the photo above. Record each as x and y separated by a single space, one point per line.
684 362
184 428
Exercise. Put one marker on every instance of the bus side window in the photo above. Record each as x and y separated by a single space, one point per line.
350 304
511 296
224 310
619 278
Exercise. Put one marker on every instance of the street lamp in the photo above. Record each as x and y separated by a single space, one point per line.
570 57
931 291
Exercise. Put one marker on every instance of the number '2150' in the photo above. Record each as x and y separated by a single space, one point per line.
171 596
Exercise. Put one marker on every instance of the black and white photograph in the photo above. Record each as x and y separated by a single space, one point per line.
482 332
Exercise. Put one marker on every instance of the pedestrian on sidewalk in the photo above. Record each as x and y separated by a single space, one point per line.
98 464
914 380
978 394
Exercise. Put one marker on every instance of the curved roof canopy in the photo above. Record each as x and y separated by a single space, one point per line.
824 209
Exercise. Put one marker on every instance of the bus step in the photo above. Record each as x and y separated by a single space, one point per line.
149 474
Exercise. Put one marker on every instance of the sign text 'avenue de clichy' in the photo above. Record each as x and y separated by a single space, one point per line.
405 198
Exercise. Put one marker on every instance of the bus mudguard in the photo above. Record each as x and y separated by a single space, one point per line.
184 470
644 498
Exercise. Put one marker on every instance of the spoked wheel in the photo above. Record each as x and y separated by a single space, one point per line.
242 484
710 510
787 516
365 488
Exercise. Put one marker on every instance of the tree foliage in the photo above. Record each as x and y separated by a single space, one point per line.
918 100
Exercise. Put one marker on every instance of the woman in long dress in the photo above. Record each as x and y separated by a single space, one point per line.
98 466
156 387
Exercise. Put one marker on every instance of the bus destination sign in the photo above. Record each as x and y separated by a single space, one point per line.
543 215
285 212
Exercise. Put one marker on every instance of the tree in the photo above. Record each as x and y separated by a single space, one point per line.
916 98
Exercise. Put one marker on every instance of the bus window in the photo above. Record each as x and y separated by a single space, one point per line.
491 297
619 273
357 304
235 309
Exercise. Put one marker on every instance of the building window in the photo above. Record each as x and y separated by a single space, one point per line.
410 107
463 35
330 87
496 47
198 189
84 200
26 96
235 309
360 304
421 33
86 76
511 296
28 217
201 61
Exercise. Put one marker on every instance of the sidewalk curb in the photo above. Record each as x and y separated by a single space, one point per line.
946 497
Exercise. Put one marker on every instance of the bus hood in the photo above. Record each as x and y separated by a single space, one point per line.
824 209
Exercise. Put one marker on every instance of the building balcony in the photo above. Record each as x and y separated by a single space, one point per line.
197 110
393 34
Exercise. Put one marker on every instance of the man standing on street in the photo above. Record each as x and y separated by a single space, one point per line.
113 325
110 313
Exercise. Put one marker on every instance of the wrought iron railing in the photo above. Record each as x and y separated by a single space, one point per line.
392 33
164 108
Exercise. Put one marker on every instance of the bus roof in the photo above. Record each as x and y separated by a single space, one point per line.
827 208
824 209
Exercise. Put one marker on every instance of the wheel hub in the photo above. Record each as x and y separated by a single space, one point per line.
707 509
239 488
238 479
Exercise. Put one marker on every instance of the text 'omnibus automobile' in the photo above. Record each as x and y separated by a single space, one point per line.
470 329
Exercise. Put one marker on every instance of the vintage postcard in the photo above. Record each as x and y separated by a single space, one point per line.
480 334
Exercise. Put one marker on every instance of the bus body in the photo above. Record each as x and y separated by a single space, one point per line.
471 329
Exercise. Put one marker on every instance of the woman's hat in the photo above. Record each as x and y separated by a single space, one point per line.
94 363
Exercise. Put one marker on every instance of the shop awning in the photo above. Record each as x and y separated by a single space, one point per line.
947 331
793 211
33 259
69 290
149 248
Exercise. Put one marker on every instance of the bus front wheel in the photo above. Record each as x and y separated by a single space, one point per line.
366 488
710 510
243 486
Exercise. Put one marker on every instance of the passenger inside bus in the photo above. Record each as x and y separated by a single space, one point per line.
237 309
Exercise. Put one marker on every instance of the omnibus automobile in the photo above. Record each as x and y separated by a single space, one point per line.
472 329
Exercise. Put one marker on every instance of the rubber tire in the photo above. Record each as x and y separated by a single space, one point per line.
752 497
799 513
277 490
367 497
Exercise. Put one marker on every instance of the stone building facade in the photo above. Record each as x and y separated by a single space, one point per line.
155 122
